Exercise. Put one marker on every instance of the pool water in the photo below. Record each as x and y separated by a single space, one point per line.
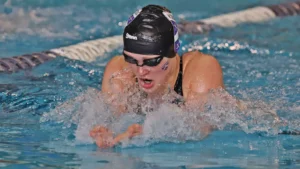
46 112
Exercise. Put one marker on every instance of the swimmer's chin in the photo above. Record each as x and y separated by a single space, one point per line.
149 92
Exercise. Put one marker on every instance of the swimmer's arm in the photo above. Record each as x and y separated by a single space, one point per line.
202 74
132 131
104 137
207 75
113 87
111 67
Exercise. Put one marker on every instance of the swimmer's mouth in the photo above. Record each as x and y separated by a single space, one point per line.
147 81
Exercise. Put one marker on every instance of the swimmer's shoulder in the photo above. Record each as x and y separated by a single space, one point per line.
201 70
195 60
117 63
114 65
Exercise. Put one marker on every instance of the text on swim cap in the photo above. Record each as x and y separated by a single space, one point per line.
128 36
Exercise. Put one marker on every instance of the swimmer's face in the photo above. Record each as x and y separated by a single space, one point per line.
150 70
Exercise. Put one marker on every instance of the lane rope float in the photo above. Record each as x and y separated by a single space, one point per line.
88 51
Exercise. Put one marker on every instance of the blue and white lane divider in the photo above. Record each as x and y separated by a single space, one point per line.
88 51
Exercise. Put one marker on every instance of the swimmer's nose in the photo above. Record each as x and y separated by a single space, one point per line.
142 70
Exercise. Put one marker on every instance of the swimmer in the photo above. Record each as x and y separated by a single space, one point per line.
151 43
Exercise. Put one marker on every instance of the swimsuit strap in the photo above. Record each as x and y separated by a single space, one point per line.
178 84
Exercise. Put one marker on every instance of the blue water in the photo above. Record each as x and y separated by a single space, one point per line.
41 125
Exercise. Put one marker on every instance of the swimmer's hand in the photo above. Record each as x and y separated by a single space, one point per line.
132 131
104 137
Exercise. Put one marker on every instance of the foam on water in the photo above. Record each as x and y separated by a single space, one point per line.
167 122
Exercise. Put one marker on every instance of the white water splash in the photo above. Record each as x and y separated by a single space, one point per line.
167 122
222 44
85 111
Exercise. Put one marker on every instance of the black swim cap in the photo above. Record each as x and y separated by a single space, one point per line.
151 31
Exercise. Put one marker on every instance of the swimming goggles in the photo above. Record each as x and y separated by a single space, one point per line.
146 62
